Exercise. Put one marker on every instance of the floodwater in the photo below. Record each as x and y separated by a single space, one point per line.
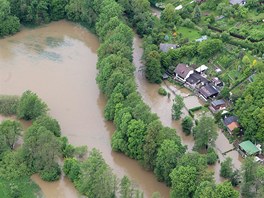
58 62
162 107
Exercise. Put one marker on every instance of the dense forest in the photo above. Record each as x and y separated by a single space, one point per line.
139 133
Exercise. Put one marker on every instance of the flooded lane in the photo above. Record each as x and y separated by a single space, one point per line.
58 62
163 105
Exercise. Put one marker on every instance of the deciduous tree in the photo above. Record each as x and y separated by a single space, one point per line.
205 133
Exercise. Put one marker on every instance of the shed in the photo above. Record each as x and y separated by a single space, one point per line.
179 7
231 123
201 69
203 38
217 82
249 148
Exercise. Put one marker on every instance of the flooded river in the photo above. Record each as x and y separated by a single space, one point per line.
58 62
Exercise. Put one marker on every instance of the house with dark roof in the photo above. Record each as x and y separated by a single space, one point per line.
165 47
217 105
231 123
195 79
182 72
208 91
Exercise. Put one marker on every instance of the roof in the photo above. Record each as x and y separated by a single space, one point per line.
230 119
233 126
217 102
208 91
178 7
216 80
249 147
165 47
182 70
201 68
218 70
192 79
202 38
233 2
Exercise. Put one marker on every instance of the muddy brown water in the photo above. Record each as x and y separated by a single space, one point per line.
58 62
162 107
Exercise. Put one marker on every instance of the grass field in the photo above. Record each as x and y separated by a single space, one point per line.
189 33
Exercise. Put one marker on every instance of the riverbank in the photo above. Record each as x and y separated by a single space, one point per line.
58 62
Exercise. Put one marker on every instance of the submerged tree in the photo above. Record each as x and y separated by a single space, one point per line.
9 132
187 125
205 133
31 106
177 106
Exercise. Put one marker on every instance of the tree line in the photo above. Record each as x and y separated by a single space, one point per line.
139 133
43 149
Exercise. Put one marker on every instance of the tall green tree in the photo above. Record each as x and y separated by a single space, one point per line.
205 133
152 144
31 106
225 189
96 178
153 67
205 190
177 107
9 24
250 105
184 181
41 149
168 15
226 168
209 47
249 178
167 158
136 138
187 125
10 132
197 14
126 188
13 166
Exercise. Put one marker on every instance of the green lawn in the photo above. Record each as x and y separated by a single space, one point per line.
189 33
23 188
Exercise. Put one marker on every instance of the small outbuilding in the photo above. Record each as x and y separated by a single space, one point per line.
217 82
201 69
247 148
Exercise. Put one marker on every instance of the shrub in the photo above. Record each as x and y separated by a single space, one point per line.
211 156
188 23
52 174
187 125
72 168
162 91
226 170
8 105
